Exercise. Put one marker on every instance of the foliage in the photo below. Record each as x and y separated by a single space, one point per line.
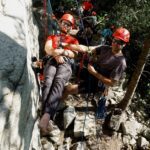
133 15
67 4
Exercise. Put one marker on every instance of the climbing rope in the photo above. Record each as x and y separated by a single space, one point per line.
101 109
45 18
80 68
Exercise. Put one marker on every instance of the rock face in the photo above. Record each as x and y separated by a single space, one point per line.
18 88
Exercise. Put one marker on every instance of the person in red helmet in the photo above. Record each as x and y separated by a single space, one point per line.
106 66
87 7
122 34
57 70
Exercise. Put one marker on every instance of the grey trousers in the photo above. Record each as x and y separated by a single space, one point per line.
56 76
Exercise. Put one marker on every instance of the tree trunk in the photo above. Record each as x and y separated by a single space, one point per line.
135 77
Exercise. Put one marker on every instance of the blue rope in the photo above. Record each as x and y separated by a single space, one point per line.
49 7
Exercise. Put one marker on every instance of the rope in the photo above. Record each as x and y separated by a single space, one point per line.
45 19
82 25
52 21
80 67
102 103
50 10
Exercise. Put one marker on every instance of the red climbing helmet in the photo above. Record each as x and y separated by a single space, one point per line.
87 5
69 18
122 34
94 13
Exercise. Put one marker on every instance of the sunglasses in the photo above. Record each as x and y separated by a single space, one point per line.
119 42
67 24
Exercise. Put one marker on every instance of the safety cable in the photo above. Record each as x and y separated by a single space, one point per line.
80 67
87 42
45 18
89 80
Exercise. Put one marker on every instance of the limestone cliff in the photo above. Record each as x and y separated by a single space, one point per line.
18 88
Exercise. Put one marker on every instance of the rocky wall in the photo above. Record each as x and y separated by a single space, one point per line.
19 95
